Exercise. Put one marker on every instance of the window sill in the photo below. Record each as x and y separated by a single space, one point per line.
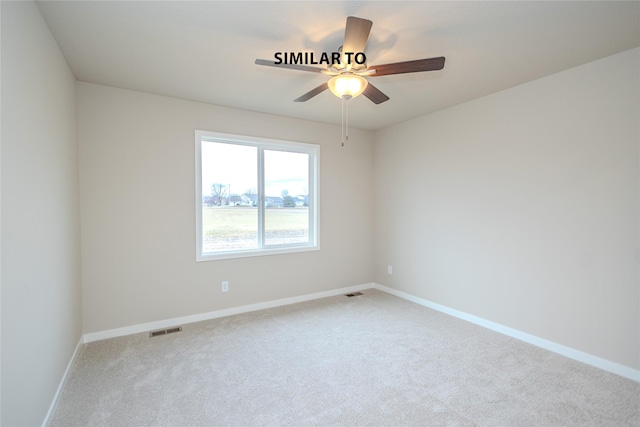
256 253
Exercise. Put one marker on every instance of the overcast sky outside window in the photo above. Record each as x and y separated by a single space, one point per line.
236 166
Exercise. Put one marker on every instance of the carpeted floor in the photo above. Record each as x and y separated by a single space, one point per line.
373 359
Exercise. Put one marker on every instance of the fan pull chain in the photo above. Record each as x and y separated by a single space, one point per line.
342 118
345 120
346 115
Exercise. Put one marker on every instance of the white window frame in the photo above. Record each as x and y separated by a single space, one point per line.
261 144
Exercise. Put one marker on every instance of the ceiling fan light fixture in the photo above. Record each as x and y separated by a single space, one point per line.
347 85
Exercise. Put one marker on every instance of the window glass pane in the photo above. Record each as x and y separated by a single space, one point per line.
229 197
255 196
286 183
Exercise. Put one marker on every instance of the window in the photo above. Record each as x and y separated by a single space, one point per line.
254 196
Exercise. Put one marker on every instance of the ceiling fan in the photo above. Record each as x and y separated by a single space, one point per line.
348 67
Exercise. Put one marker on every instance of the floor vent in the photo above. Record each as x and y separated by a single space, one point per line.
355 294
165 332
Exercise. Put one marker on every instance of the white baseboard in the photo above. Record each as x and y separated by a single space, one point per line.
589 359
580 356
169 323
63 381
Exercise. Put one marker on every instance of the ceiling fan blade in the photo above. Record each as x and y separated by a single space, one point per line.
307 96
430 64
290 66
374 94
356 34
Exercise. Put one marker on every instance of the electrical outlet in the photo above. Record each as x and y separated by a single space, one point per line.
389 269
225 286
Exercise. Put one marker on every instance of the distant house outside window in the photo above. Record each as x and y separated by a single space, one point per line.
254 196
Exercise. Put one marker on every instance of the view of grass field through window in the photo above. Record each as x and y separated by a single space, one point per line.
236 227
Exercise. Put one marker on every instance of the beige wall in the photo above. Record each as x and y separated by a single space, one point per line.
41 314
137 181
522 208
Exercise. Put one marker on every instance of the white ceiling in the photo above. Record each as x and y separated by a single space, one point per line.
205 51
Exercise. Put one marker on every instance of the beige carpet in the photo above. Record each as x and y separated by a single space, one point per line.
368 360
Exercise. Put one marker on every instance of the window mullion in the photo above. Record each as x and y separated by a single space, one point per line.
261 198
311 194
